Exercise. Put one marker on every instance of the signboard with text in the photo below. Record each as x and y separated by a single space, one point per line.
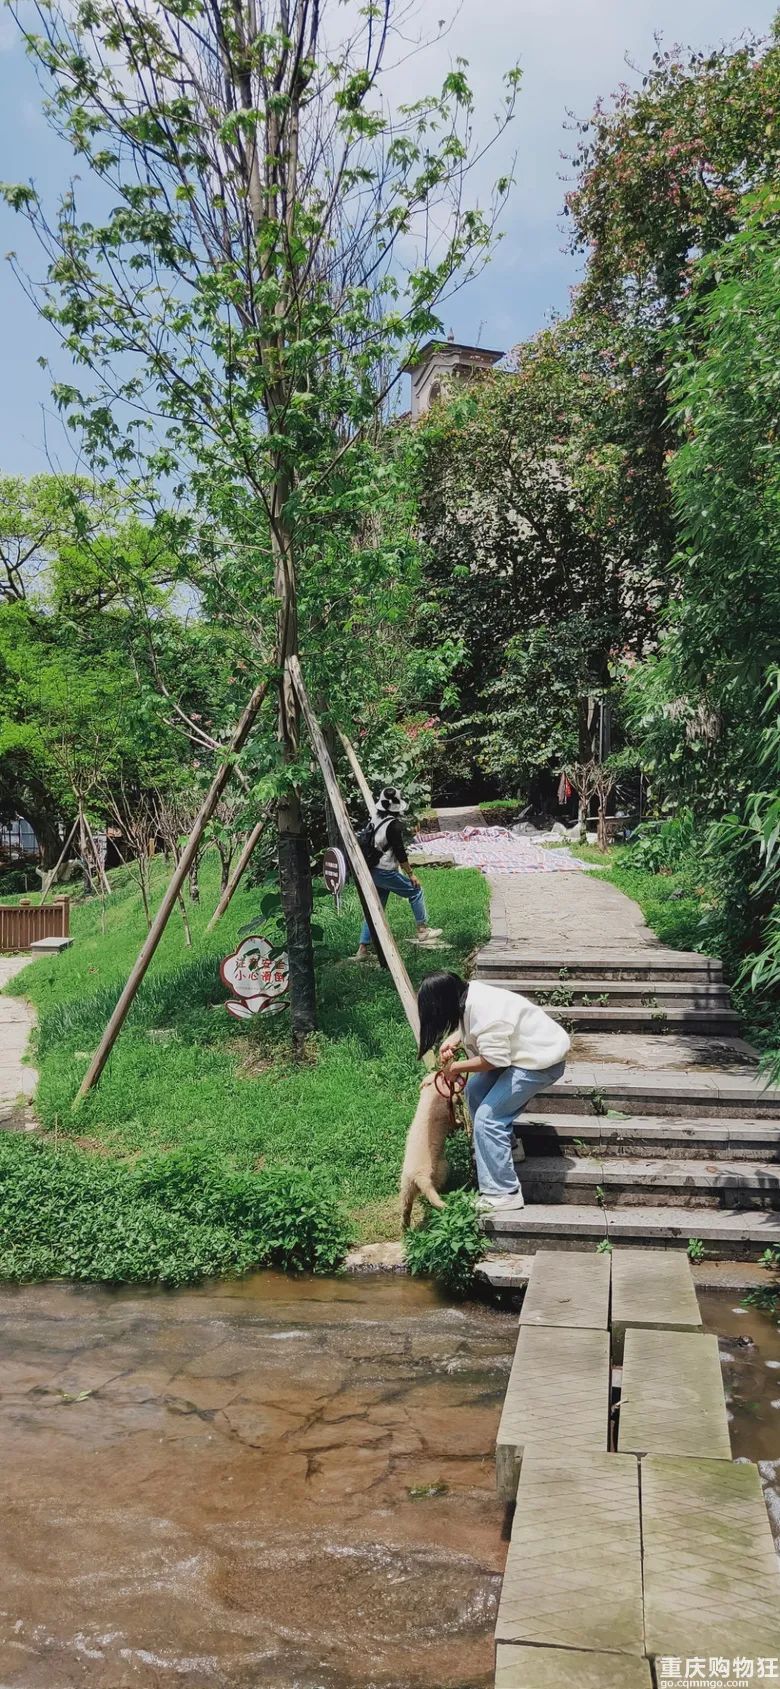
258 978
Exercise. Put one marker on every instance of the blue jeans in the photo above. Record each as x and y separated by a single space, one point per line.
387 880
494 1100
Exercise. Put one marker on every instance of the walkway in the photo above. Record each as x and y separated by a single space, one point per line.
662 1130
17 1019
636 1541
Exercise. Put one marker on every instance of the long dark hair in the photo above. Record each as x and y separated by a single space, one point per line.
440 1000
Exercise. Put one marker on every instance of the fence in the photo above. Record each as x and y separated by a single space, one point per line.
22 923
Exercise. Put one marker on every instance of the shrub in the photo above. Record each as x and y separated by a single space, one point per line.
661 844
449 1243
172 1219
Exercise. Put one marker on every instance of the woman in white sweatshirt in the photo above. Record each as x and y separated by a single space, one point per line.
514 1050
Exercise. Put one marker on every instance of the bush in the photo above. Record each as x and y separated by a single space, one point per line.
449 1243
15 882
658 845
457 1149
172 1219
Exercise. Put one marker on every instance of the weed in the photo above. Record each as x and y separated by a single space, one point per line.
449 1243
695 1249
604 1247
598 1102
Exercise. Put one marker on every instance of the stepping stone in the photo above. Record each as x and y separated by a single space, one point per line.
672 1400
568 1291
573 1574
651 1289
49 946
557 1399
501 1272
566 1668
712 1585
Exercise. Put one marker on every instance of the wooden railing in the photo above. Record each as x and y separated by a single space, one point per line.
22 923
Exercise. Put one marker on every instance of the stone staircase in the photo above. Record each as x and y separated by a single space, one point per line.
661 1131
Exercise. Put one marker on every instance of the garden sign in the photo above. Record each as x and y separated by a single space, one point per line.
258 977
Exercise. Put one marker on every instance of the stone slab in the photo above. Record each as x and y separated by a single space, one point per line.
573 1574
47 946
557 1398
503 1272
567 1668
734 1234
712 1585
651 1289
570 1290
672 1400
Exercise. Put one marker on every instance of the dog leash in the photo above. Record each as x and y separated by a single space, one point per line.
450 1089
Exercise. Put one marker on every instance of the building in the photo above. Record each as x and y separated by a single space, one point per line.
439 365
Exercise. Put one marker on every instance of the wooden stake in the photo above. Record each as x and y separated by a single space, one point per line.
160 921
358 863
366 791
58 864
101 872
249 845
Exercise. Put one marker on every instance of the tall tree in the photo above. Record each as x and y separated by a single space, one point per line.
269 254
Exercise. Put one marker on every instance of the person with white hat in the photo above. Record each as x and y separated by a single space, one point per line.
384 847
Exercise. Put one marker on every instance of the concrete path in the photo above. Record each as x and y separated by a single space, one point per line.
571 913
17 1019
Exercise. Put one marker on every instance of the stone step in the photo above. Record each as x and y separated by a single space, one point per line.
706 1093
715 1023
571 1291
630 1180
648 1135
567 1668
671 1396
628 993
573 1575
711 1579
557 1398
729 1234
605 963
652 1290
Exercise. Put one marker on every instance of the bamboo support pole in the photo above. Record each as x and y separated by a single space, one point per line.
58 864
357 860
352 759
235 877
160 921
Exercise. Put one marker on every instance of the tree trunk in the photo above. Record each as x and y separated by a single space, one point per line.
295 887
294 860
193 882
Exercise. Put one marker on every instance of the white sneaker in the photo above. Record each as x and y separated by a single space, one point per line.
504 1204
426 935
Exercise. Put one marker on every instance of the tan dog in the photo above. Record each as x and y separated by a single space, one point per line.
425 1165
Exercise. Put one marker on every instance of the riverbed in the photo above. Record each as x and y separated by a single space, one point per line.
277 1483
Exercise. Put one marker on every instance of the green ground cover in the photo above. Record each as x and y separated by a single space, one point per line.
204 1139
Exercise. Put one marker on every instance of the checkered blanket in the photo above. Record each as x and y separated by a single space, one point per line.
497 851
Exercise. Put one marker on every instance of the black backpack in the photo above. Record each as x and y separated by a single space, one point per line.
366 838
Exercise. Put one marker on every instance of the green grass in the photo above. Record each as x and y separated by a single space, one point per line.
229 1090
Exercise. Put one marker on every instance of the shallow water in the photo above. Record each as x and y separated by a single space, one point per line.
750 1359
281 1484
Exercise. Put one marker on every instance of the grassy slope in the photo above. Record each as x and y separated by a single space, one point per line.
230 1087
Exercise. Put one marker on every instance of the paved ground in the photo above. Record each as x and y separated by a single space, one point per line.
566 912
16 1022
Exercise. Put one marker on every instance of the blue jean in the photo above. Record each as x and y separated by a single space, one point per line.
494 1099
387 880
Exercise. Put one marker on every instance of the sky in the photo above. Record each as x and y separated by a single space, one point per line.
571 52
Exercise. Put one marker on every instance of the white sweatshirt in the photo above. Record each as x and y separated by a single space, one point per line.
510 1031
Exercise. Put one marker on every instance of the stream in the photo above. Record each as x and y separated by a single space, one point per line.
275 1483
269 1482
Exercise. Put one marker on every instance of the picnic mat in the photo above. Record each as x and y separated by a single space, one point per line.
497 851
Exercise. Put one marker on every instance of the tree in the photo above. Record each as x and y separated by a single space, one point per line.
267 257
662 171
536 564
